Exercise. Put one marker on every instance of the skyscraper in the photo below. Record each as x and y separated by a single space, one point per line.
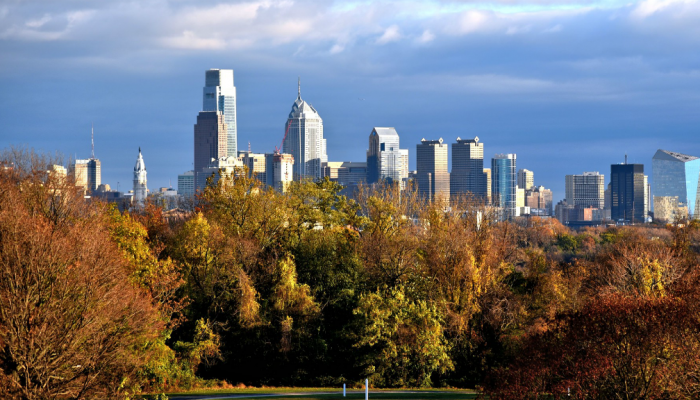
385 160
627 192
587 190
78 170
467 175
219 95
433 177
676 176
304 139
526 179
210 142
185 184
140 187
504 184
94 171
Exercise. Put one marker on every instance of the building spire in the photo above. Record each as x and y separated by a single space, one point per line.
92 140
299 84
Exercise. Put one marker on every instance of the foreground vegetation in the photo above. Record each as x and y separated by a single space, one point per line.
309 288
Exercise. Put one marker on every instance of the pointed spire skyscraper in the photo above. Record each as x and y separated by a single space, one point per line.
304 140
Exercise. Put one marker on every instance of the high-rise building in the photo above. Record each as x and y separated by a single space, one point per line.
487 174
283 167
345 173
385 160
526 179
433 177
219 95
94 170
404 167
586 190
304 140
185 184
78 170
627 192
504 184
140 186
467 175
255 164
539 198
210 142
676 176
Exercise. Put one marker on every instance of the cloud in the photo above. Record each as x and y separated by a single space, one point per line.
426 37
391 34
189 40
337 48
553 29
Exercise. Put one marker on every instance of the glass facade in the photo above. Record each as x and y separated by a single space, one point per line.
219 94
467 175
627 184
676 175
384 156
504 184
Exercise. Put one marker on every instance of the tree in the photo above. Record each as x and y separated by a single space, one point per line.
71 321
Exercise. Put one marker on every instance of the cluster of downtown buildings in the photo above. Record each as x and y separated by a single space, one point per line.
627 198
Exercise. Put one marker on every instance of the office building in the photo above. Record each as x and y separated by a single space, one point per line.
586 190
185 184
140 184
432 175
345 173
219 95
404 168
467 175
78 170
526 179
504 184
386 161
255 164
94 171
224 167
487 174
539 198
520 197
627 192
304 140
210 143
283 171
676 185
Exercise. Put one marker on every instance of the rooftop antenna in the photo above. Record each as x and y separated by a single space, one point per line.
249 147
92 139
299 85
625 158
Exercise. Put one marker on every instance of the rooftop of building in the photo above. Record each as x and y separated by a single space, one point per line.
672 156
384 131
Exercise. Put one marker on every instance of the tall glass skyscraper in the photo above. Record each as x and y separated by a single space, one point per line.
504 184
676 176
467 175
304 140
627 189
220 96
432 174
384 157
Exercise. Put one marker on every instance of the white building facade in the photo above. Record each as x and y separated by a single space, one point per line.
304 140
140 182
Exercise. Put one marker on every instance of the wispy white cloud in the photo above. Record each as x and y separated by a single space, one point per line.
391 34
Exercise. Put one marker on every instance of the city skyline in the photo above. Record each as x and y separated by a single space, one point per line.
502 71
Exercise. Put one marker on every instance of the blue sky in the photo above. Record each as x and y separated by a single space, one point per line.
569 86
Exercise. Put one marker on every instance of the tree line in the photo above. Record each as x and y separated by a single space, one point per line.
309 288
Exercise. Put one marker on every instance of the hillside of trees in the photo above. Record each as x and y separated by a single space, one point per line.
309 288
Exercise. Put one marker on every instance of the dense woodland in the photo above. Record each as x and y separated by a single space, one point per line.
312 289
